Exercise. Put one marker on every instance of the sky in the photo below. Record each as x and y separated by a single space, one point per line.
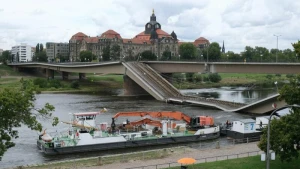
238 23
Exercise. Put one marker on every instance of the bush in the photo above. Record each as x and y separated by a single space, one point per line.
54 83
214 77
41 82
75 84
290 76
197 77
278 75
189 77
269 76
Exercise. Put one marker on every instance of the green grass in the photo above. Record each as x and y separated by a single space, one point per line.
245 163
114 78
8 71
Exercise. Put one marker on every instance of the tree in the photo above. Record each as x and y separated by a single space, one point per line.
106 53
37 48
148 55
214 77
115 52
166 55
214 52
284 132
41 47
187 51
297 47
40 57
17 107
129 56
86 56
6 56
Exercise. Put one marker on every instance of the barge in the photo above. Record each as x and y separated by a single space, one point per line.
84 135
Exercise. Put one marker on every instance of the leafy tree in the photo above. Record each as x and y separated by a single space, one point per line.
187 51
41 47
284 132
6 56
115 52
17 108
129 56
297 47
166 55
214 77
86 56
40 57
37 48
214 52
106 53
148 55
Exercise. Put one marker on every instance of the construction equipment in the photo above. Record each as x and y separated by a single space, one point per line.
192 122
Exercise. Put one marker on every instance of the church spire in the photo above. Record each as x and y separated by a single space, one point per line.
153 11
223 48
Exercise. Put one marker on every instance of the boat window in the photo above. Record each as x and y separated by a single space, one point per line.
81 118
89 117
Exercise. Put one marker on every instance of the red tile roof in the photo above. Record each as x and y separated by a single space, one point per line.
136 41
91 39
79 36
109 34
200 40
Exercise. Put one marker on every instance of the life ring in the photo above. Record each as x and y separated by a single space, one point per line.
62 143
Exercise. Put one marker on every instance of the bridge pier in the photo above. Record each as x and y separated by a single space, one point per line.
131 88
50 73
65 75
81 76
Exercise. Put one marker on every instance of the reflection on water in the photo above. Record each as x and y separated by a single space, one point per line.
234 94
25 152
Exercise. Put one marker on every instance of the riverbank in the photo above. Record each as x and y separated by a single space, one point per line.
147 158
98 83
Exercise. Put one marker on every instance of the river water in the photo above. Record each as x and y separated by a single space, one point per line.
26 153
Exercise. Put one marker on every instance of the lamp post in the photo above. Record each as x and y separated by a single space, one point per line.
268 134
207 52
277 45
261 57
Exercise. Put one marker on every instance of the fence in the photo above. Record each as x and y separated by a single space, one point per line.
201 160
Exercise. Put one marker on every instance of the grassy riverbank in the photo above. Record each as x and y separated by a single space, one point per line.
98 83
245 163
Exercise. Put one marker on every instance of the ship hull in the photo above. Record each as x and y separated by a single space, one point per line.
126 144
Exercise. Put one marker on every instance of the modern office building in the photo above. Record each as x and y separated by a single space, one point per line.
57 51
21 53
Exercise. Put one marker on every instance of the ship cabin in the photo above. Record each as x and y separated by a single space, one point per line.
87 119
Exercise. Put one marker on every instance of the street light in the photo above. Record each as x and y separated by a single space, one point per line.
277 46
268 137
261 57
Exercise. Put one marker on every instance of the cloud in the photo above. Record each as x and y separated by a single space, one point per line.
238 23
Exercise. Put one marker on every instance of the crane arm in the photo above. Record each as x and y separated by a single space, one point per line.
146 121
161 114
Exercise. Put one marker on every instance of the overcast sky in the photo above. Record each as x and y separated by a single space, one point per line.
239 23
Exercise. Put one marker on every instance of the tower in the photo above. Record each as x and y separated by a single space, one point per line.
223 48
152 24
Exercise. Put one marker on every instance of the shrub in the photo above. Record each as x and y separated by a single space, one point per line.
41 82
189 77
269 76
290 76
214 77
178 77
75 84
197 77
54 83
278 75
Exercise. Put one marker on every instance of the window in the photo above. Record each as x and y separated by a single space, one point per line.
157 26
149 26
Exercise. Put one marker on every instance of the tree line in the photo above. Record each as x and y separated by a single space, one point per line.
187 51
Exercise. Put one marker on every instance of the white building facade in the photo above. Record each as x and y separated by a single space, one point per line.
21 53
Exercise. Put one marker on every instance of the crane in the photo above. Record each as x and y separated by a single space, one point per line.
193 122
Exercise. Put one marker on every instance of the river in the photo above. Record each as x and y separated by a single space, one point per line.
26 153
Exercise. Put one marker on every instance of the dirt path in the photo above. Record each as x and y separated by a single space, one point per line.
197 154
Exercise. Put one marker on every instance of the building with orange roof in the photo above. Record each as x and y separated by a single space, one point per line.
153 38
